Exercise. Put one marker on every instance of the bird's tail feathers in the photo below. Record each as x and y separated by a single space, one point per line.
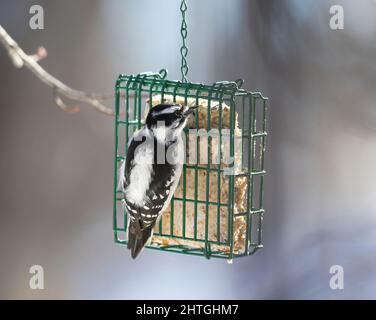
138 238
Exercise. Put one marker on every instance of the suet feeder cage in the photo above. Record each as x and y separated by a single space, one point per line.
217 209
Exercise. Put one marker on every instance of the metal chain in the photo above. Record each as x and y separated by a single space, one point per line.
184 49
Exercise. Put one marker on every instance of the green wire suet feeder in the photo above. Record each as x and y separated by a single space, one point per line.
217 209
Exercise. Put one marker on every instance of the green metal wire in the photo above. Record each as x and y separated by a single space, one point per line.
195 167
184 49
132 91
184 174
207 180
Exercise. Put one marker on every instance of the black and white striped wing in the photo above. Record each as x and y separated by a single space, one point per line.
163 182
157 198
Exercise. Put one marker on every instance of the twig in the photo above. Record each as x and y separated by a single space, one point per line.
20 59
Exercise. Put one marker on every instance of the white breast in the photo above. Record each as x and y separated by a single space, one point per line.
140 175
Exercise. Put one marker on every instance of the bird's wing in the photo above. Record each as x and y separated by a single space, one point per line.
158 195
155 194
162 185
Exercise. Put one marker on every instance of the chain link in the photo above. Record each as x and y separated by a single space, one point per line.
184 49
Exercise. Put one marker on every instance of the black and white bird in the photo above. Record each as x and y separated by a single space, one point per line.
151 172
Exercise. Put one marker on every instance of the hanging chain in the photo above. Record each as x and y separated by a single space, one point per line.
184 48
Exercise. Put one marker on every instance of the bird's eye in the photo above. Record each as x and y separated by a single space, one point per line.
177 113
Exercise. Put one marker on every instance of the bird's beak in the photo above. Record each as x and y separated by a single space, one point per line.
190 110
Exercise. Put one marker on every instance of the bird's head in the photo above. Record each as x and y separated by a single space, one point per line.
168 120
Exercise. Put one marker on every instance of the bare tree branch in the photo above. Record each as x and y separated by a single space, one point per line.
20 59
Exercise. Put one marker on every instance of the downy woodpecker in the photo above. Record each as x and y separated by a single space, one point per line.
151 172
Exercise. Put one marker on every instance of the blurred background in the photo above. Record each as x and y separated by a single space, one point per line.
56 169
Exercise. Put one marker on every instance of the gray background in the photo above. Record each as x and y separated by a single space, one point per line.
56 169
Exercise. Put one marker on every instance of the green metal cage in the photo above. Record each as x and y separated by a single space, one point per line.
207 220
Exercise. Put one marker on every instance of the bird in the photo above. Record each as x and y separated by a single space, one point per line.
151 171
